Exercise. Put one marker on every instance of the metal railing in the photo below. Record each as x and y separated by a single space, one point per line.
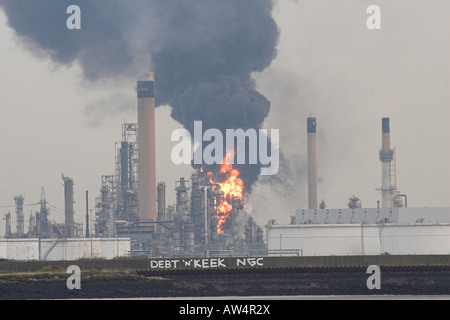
286 252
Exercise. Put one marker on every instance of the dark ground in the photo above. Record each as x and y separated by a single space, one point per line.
128 284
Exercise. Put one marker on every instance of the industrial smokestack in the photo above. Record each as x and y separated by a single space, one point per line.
146 146
312 164
386 158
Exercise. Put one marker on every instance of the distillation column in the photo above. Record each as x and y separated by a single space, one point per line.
146 146
19 212
68 207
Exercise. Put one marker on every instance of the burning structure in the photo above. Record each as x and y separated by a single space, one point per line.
211 218
207 216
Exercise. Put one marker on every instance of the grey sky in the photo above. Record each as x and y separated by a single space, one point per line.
329 65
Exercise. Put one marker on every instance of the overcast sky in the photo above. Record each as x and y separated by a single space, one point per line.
329 64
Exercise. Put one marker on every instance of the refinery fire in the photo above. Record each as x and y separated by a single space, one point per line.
207 217
232 189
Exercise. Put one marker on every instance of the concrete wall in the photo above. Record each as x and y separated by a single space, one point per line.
354 239
15 249
64 249
142 263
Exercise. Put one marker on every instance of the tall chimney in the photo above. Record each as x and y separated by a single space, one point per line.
312 164
386 158
146 146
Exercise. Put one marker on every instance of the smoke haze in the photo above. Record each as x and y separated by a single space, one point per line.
327 64
203 53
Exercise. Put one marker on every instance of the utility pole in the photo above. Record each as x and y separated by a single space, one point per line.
87 214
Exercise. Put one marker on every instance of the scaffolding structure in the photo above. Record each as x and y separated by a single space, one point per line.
118 201
39 226
104 206
126 188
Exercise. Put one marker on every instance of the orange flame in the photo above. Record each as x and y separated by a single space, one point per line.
232 187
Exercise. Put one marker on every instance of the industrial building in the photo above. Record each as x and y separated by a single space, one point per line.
390 228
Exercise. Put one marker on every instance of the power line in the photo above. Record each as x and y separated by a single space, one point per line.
54 209
25 205
60 211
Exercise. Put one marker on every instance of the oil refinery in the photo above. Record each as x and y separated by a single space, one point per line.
131 216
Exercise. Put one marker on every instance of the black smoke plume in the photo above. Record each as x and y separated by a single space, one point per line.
203 52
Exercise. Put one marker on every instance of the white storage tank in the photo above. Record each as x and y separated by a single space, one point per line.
360 239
